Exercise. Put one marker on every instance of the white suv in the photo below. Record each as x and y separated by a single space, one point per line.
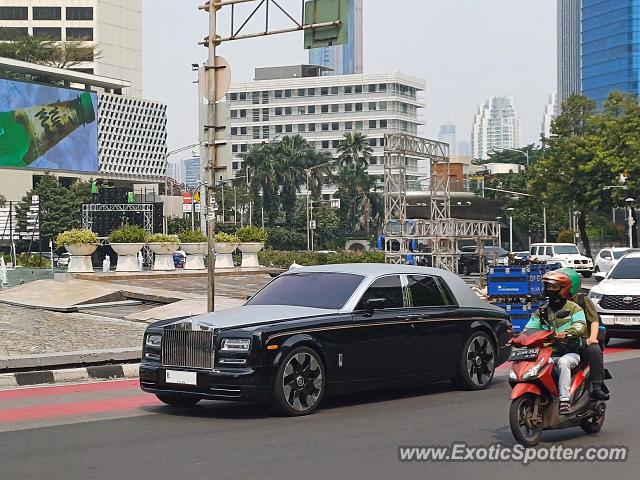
608 257
617 298
566 254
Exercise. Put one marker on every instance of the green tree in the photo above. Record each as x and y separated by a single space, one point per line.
354 149
262 163
44 51
60 207
293 153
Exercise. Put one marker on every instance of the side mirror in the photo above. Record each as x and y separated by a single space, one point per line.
599 276
375 304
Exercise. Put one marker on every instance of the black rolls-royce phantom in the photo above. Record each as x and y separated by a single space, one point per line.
329 329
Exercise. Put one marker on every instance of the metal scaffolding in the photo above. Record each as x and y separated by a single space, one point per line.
441 234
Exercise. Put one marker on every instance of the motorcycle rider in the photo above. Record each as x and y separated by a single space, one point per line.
568 321
593 346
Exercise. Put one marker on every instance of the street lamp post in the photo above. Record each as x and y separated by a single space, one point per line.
499 231
630 222
307 172
510 210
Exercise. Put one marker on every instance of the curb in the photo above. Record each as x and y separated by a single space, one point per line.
99 372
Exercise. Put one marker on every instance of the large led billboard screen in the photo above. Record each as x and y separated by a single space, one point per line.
47 128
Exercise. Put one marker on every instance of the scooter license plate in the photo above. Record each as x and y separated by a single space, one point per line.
524 354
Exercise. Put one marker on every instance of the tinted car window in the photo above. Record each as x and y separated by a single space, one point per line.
424 291
627 268
309 289
549 251
389 288
567 250
620 253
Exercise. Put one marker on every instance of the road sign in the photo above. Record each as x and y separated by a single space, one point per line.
312 224
221 74
322 11
187 198
335 203
196 197
186 208
197 207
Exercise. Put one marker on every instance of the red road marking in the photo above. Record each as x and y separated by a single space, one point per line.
67 389
76 408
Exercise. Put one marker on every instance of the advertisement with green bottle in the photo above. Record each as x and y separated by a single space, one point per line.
48 128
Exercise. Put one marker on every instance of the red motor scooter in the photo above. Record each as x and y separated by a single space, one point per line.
535 396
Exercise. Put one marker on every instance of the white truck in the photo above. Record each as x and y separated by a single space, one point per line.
566 254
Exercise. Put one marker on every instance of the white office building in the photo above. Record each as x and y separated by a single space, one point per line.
299 100
114 25
495 127
550 112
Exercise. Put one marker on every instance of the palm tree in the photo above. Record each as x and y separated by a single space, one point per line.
354 149
261 160
291 158
319 166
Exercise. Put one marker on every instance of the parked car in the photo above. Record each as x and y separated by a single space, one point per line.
617 297
607 257
329 329
469 260
566 254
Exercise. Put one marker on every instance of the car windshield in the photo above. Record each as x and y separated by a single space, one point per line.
626 269
309 289
618 254
566 250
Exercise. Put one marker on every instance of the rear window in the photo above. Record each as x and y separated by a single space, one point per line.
309 289
425 291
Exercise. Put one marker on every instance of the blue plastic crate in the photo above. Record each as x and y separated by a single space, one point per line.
506 287
518 322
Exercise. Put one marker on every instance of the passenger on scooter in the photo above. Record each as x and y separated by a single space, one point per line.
570 326
593 346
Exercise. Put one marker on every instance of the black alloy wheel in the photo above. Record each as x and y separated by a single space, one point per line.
593 424
526 429
299 383
477 363
176 400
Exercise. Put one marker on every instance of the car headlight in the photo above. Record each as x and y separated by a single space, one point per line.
235 344
595 296
153 340
533 371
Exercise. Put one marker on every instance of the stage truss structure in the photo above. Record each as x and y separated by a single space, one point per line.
440 235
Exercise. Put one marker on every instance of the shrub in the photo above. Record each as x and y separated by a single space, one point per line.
285 259
76 236
31 260
566 236
162 238
251 234
222 237
192 236
286 239
128 234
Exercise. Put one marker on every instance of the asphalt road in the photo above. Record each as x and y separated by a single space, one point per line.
112 430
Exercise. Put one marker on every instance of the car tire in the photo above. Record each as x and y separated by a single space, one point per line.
178 400
597 270
477 363
299 383
586 274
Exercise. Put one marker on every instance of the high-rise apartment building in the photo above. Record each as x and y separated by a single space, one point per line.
322 109
447 134
495 126
610 46
114 25
569 48
550 112
343 59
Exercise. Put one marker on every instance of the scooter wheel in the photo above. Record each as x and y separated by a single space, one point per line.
520 416
593 425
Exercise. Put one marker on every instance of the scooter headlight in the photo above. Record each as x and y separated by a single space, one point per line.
512 375
534 371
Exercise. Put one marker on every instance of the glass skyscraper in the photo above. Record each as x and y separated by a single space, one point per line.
343 59
610 47
569 70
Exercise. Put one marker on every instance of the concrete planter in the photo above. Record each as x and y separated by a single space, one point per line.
250 253
163 260
80 261
223 251
195 255
127 256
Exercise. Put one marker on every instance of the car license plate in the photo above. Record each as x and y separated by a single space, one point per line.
626 320
524 354
181 378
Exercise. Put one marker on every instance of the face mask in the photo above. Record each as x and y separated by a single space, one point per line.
554 298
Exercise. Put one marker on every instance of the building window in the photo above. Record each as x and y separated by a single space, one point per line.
79 13
287 94
358 88
14 13
348 107
288 128
243 130
255 98
255 115
256 133
373 88
233 96
358 107
243 148
324 127
302 92
243 113
335 143
358 125
335 126
334 90
382 87
311 92
372 124
277 112
47 13
243 96
324 108
234 130
265 132
324 91
13 33
383 105
373 106
325 144
278 128
372 142
383 124
80 33
234 148
311 109
312 127
348 125
348 89
302 110
235 165
51 33
288 111
278 93
302 128
334 108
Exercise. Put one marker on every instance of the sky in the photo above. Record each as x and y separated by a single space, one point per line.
466 50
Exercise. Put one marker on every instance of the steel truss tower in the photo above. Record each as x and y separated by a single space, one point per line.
440 234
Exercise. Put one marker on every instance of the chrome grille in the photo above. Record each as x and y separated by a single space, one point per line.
617 302
187 348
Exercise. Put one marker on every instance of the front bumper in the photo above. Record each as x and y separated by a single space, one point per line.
239 384
615 327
